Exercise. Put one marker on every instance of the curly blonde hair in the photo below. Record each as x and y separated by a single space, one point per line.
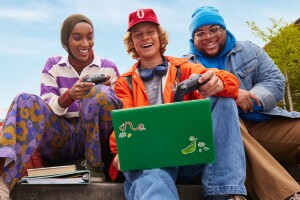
163 39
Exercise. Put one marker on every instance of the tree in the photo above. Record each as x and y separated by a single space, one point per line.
283 46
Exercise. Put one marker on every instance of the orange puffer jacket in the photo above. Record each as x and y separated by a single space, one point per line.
137 96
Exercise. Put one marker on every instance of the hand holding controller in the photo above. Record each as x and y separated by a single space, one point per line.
187 86
97 79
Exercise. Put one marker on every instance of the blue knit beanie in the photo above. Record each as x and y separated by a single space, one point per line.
206 15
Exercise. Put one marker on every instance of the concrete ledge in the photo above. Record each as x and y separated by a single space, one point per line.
99 191
103 191
86 192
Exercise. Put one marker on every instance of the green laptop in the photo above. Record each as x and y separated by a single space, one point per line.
164 135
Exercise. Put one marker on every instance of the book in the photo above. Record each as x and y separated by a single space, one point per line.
51 170
76 177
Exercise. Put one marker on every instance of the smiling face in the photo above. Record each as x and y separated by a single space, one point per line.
81 41
146 40
211 44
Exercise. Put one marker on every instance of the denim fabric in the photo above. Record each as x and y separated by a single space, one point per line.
154 184
225 176
258 74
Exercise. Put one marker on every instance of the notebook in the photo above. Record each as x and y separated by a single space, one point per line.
75 177
164 135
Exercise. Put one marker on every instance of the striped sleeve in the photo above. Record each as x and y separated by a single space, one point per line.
49 88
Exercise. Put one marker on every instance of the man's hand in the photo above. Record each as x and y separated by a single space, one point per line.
244 100
212 84
116 162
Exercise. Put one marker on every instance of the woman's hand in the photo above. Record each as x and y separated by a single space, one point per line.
79 89
108 81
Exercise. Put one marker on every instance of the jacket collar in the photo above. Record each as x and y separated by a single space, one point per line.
171 61
65 61
237 47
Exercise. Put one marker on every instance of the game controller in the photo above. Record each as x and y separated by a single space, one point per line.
187 86
97 79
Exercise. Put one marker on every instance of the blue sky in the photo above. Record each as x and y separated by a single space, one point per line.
30 32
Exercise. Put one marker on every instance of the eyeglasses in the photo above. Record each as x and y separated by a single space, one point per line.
211 32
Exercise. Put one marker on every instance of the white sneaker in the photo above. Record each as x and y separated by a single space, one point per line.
4 191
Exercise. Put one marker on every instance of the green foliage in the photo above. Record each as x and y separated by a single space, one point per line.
283 46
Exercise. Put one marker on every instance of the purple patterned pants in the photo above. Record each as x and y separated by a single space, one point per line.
31 125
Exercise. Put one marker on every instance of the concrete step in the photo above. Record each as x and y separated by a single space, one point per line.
99 191
102 191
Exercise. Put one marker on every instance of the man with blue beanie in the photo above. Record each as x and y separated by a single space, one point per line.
267 130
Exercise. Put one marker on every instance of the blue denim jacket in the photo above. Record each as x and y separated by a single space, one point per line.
258 74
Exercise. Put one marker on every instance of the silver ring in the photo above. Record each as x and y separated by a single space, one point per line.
81 84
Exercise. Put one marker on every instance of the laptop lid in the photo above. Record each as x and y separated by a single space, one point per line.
164 135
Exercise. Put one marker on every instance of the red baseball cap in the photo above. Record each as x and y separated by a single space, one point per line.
141 15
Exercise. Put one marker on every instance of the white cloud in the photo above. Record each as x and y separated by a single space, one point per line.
27 46
23 15
113 12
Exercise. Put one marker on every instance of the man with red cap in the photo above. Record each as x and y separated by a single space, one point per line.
153 80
